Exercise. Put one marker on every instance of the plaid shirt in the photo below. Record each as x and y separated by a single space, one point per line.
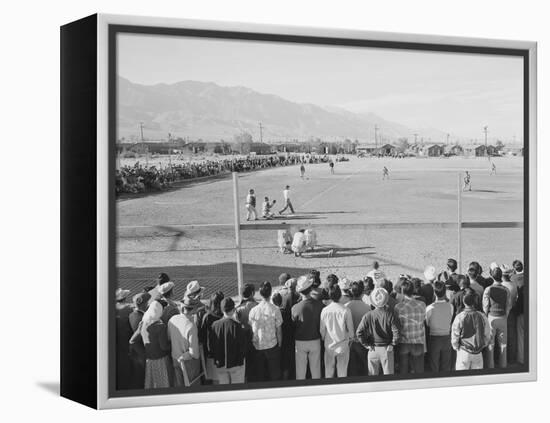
411 314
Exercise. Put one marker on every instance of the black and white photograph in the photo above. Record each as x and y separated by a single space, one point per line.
297 212
275 211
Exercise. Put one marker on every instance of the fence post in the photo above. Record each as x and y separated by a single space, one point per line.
459 222
237 233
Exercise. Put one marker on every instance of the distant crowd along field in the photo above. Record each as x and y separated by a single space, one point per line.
144 177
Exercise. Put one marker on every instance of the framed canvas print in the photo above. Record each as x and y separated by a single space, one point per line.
254 211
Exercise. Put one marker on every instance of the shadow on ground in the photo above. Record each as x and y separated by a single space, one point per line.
214 277
223 276
51 387
323 251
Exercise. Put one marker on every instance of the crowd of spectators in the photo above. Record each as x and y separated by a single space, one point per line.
139 178
305 328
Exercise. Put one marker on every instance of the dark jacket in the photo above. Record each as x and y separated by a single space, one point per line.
457 301
484 282
227 336
519 280
306 316
470 332
427 291
452 283
496 300
159 345
379 327
205 328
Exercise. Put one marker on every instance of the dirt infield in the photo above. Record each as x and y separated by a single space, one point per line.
188 232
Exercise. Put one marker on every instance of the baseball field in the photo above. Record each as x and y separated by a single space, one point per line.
405 223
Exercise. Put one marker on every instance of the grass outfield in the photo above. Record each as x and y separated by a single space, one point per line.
188 233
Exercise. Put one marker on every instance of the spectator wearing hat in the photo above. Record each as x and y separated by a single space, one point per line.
439 315
518 279
137 350
228 345
470 334
193 290
123 335
496 305
412 314
157 348
337 331
289 297
242 312
379 332
161 279
213 314
172 307
306 318
427 288
288 294
266 321
345 285
184 339
511 346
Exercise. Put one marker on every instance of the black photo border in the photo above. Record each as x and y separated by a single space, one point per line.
115 29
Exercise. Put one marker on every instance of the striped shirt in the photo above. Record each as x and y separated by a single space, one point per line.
411 314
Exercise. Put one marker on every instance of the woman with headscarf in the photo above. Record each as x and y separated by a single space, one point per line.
157 347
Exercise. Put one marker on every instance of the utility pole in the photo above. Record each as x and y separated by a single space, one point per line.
448 136
415 137
485 131
376 128
141 130
261 132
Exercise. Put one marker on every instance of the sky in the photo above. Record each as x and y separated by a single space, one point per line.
453 92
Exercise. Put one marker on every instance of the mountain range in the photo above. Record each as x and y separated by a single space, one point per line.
206 110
